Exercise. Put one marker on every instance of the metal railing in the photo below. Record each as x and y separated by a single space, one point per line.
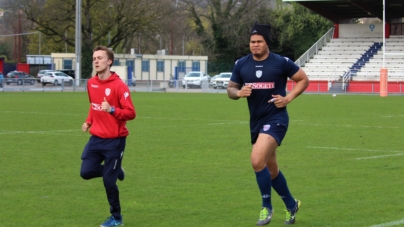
346 78
81 86
314 49
166 86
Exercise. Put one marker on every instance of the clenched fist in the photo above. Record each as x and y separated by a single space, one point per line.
245 91
85 126
105 106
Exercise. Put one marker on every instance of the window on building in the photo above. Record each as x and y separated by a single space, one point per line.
181 66
130 63
196 66
67 64
160 66
145 66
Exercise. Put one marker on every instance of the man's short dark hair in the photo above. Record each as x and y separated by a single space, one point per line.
110 53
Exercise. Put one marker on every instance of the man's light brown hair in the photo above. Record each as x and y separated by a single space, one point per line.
110 53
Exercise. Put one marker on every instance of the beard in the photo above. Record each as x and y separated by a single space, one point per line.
260 55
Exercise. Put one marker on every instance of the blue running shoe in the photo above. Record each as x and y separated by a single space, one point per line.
291 214
121 175
111 221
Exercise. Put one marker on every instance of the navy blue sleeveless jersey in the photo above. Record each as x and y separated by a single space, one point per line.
267 77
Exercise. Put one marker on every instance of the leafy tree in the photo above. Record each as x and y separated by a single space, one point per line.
297 28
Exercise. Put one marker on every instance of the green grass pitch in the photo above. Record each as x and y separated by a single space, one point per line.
187 162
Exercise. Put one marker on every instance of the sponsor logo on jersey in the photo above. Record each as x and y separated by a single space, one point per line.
266 127
262 85
259 66
258 73
94 85
125 95
96 106
108 91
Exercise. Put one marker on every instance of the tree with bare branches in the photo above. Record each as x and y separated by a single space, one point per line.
113 23
223 26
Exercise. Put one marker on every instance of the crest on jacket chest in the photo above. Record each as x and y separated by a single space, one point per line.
107 91
258 73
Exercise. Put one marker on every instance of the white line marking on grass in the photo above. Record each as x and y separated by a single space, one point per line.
230 123
393 223
52 132
348 126
170 118
380 156
378 115
350 149
367 150
193 119
42 113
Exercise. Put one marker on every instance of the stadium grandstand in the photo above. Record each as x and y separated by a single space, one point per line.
350 56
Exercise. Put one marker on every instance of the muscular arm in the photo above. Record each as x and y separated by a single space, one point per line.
233 89
302 81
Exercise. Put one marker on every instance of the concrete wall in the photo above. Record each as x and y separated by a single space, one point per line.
58 58
360 30
122 71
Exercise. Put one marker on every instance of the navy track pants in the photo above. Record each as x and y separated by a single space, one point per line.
109 151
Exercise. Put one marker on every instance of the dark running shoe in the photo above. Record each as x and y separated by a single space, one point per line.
291 214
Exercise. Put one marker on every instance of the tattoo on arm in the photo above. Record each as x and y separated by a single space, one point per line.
232 90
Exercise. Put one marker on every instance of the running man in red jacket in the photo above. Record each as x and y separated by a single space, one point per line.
110 107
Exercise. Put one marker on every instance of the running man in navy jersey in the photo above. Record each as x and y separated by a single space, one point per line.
261 77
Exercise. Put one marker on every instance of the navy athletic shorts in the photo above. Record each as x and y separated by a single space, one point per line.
276 130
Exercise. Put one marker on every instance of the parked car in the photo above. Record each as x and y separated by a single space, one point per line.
41 73
194 79
212 80
56 78
222 81
70 72
1 79
19 78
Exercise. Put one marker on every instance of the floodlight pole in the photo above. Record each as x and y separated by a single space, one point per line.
384 31
384 71
78 42
171 32
39 43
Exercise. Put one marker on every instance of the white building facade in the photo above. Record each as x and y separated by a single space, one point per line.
143 67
